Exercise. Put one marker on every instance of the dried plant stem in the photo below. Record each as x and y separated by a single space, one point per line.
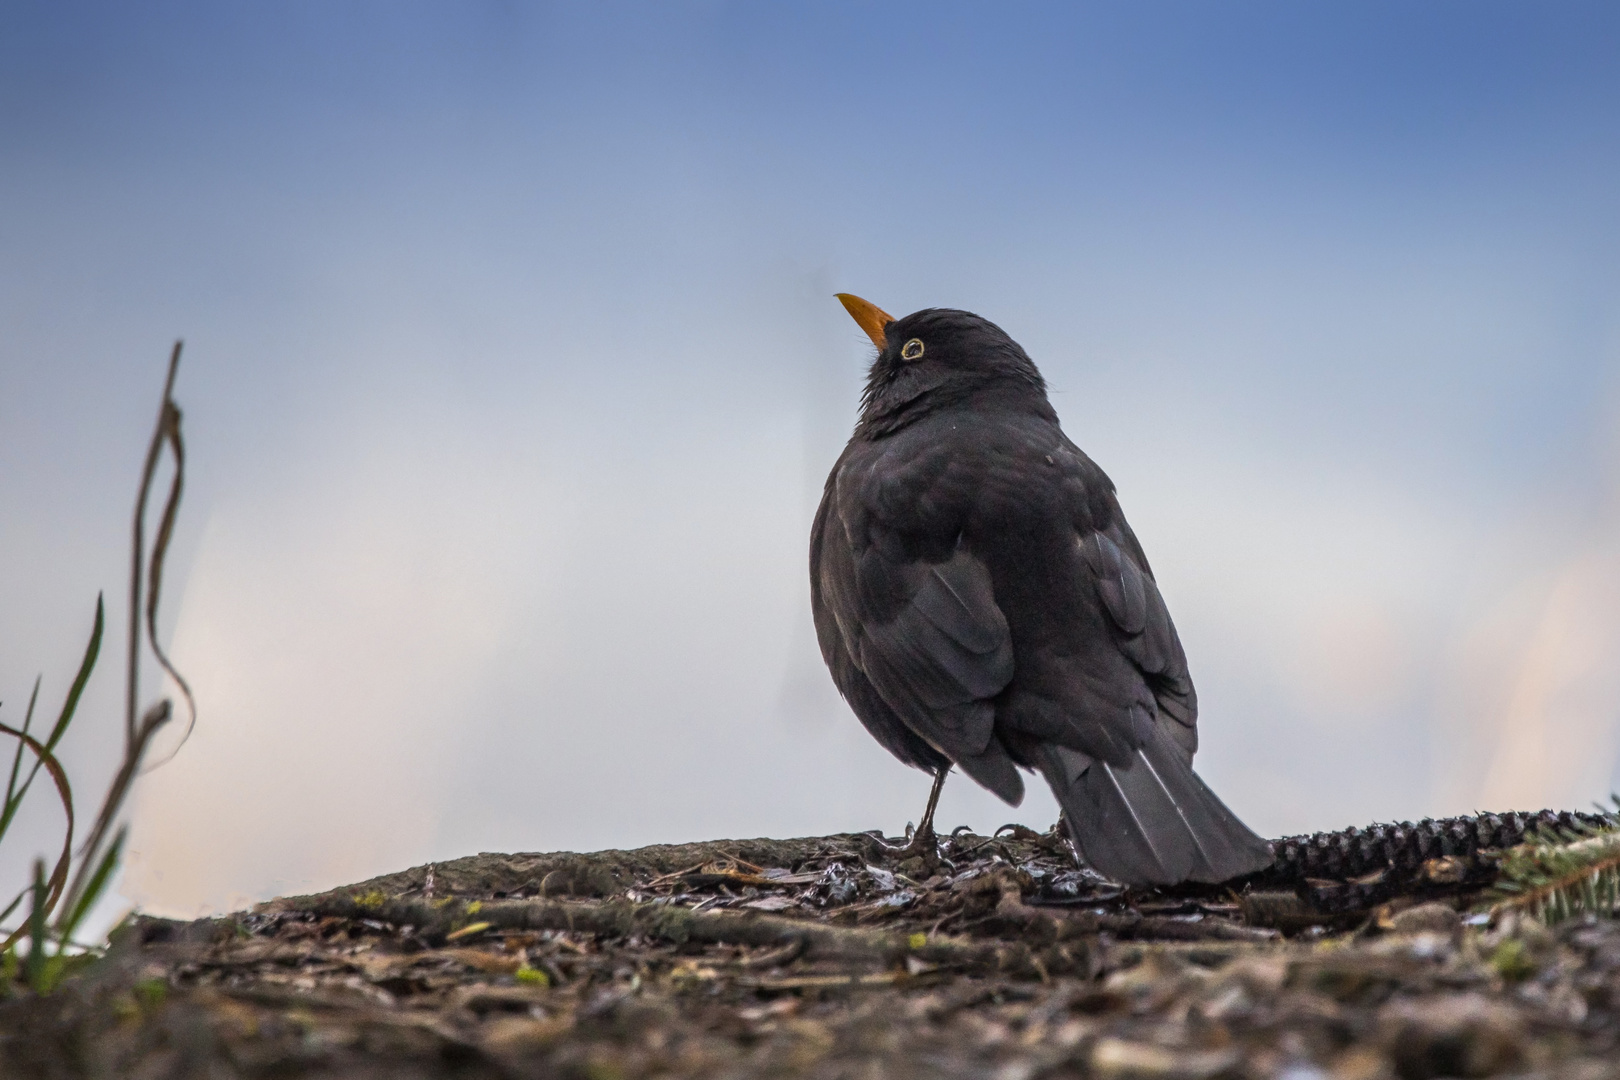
145 578
57 903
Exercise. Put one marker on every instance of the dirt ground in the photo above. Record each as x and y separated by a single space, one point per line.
1358 955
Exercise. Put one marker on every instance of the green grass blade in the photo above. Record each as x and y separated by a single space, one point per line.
13 796
92 891
64 791
60 728
36 930
6 914
86 665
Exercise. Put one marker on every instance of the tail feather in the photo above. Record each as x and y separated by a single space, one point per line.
1153 821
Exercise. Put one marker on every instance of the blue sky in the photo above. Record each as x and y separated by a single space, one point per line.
513 371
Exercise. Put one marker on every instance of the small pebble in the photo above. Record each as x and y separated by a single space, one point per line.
1427 919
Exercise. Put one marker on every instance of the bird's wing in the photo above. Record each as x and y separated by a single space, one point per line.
1143 631
838 630
946 643
938 655
1108 667
915 612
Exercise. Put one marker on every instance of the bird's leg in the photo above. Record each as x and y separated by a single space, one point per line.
925 829
924 843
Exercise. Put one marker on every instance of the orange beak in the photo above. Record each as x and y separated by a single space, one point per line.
871 318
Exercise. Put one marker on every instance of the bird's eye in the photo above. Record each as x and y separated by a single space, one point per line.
912 350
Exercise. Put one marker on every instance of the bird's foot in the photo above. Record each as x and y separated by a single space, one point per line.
919 857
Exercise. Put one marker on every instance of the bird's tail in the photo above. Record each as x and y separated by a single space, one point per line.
1152 822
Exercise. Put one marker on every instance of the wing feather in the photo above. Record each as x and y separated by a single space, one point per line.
940 657
943 653
1146 635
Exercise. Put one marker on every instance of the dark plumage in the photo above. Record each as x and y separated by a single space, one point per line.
981 602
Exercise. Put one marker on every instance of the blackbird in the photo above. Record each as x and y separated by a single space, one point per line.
981 602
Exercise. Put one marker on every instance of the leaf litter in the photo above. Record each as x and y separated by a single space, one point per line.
825 957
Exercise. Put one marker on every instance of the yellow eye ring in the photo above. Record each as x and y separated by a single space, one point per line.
912 350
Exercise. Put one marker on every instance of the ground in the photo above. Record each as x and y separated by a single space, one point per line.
1359 955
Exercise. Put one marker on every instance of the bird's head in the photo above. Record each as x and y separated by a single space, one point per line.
938 357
